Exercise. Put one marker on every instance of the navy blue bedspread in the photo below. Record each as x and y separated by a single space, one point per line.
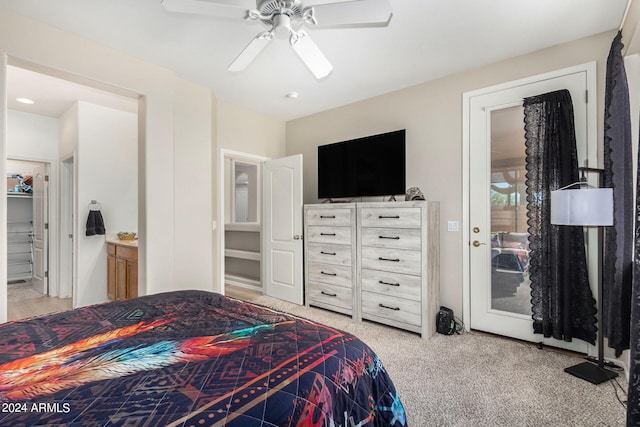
189 358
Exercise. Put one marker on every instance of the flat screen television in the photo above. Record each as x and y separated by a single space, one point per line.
369 166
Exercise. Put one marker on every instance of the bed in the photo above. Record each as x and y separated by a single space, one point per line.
189 358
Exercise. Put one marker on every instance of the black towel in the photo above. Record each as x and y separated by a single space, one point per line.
95 223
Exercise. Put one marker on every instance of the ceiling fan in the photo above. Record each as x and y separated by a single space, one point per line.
284 18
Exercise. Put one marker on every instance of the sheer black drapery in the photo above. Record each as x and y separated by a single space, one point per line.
633 398
618 175
562 302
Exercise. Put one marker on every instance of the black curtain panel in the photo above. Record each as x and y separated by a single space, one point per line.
618 175
563 305
633 398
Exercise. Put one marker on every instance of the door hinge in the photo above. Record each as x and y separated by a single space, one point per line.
46 274
586 96
46 178
46 225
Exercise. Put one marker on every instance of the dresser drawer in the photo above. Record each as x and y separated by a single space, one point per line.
337 275
330 254
321 234
390 217
330 217
393 284
398 238
377 306
396 260
329 294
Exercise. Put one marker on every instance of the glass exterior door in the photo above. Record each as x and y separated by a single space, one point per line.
499 286
510 286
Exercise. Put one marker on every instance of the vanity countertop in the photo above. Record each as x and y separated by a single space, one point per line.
114 239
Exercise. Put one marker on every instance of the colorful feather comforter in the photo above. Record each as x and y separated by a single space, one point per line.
189 358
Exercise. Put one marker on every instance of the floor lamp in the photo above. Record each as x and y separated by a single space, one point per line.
587 207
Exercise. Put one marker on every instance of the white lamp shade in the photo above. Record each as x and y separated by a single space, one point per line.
582 207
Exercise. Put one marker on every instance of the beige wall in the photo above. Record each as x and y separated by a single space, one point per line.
247 131
432 114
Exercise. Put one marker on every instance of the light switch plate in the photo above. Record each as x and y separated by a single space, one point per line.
453 226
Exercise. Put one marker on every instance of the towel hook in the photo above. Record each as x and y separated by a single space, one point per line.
94 204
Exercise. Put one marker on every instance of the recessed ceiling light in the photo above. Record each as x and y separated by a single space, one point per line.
24 100
292 95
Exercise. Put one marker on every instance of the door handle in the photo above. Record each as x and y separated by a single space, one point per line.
477 243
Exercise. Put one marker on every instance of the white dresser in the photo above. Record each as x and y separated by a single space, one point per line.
375 261
330 259
398 264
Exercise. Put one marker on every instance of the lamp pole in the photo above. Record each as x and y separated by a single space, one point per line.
588 371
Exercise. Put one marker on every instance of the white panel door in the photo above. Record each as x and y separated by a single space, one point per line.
40 230
282 228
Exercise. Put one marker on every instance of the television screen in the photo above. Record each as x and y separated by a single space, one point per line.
369 166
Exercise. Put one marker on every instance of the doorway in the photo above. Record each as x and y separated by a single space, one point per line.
47 129
28 244
267 214
240 239
497 293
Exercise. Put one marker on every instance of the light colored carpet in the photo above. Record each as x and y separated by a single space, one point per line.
478 380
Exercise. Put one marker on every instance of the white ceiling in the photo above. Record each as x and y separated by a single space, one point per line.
53 96
423 41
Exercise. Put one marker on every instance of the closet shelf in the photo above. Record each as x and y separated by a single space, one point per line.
19 262
240 280
19 249
242 227
242 254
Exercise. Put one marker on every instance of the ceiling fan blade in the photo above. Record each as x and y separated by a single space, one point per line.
219 8
310 54
352 13
250 52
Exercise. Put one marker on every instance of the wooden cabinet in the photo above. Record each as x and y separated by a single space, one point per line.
330 261
122 271
375 261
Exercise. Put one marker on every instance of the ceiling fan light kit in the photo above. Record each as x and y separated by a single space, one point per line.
284 17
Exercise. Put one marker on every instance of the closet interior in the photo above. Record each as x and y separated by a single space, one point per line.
242 223
20 222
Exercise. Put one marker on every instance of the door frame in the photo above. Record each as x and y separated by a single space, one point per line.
592 153
222 188
67 247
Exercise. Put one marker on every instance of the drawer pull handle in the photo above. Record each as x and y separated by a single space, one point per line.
387 283
327 253
390 237
389 259
388 217
389 308
328 216
328 274
328 294
327 234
